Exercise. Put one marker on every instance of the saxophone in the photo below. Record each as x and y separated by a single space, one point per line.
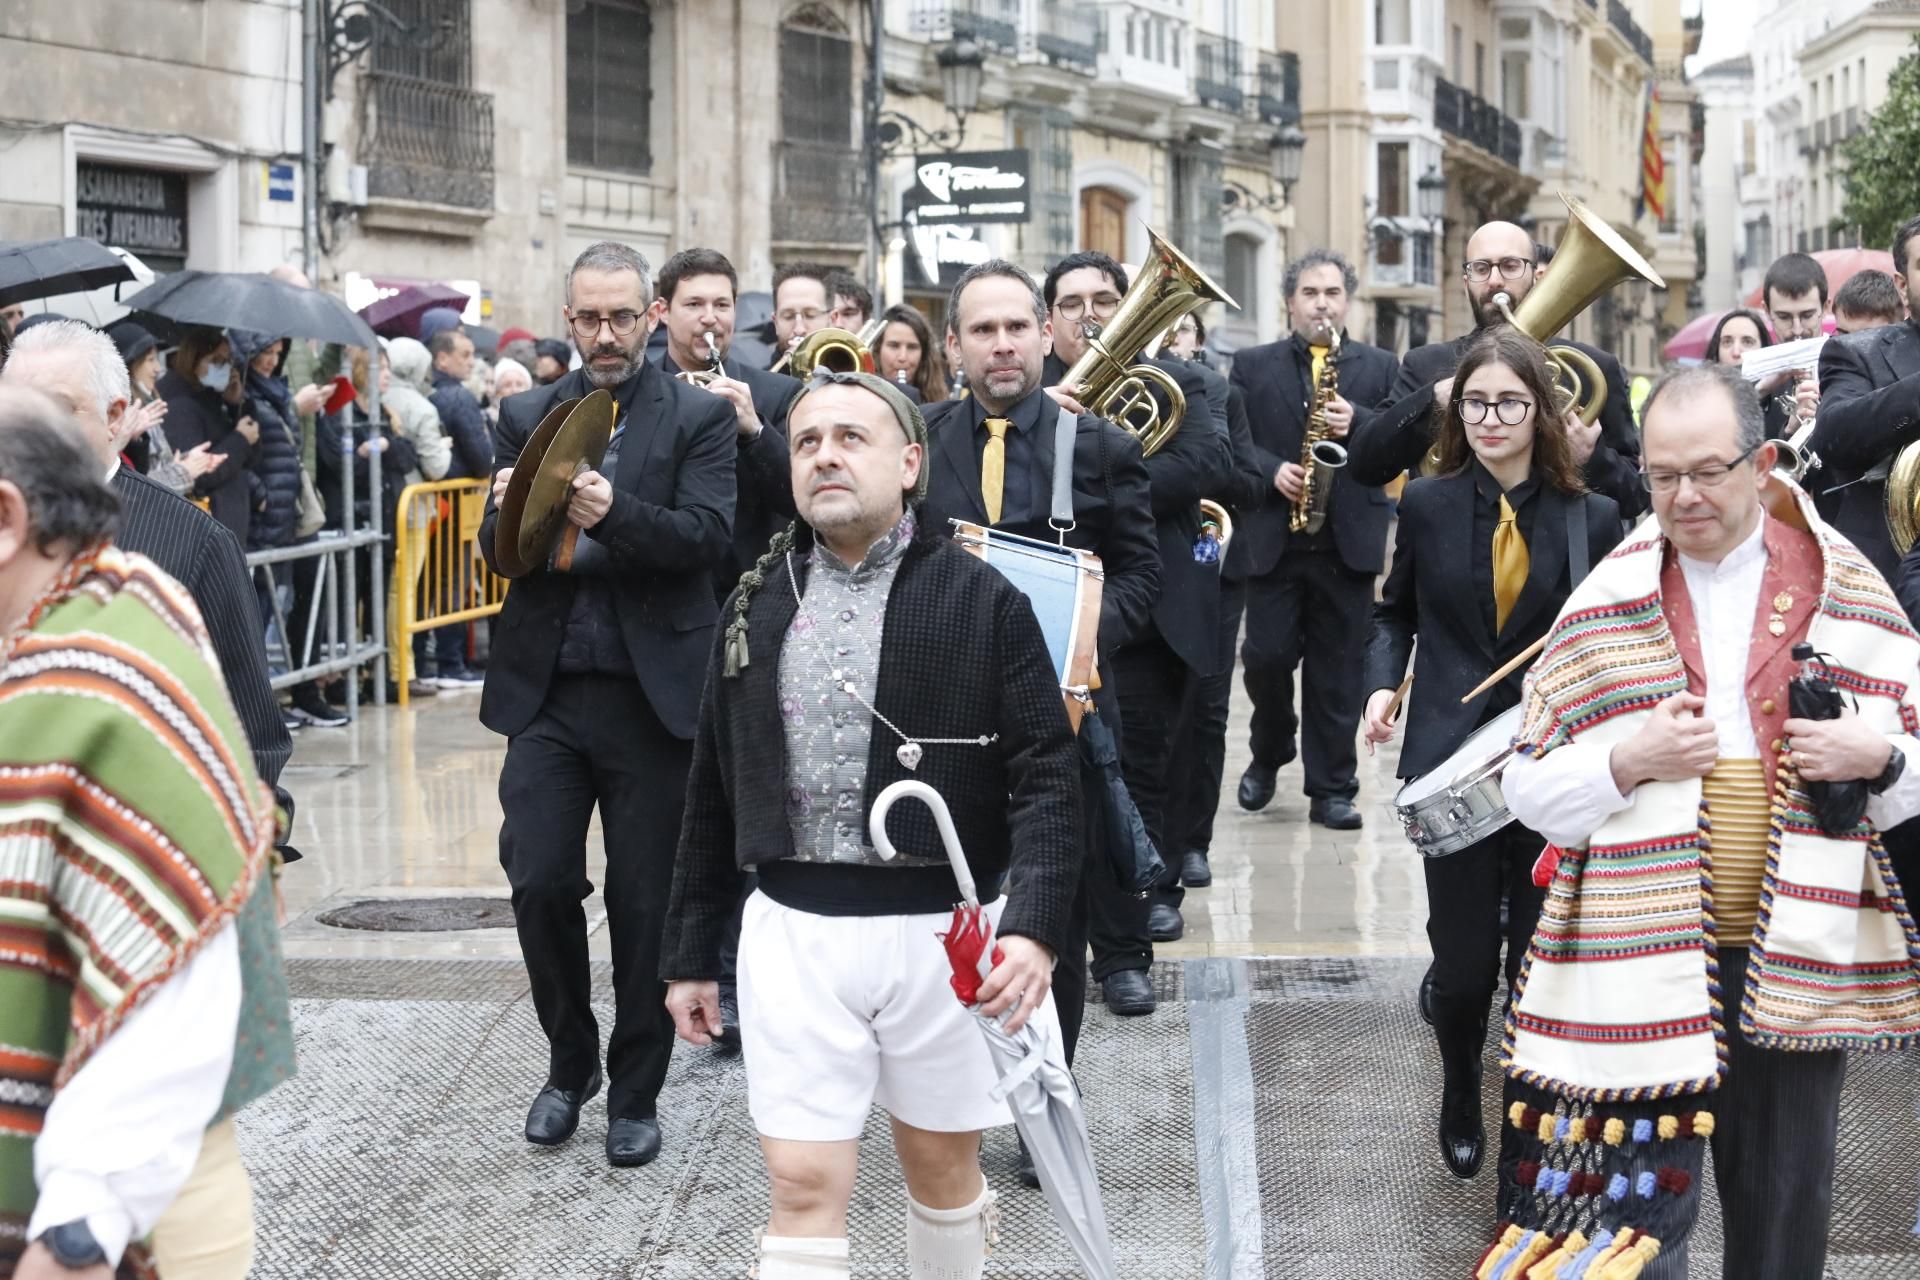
1320 454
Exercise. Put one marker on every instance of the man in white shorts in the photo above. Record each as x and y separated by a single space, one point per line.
861 650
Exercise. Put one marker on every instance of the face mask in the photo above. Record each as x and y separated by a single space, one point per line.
216 377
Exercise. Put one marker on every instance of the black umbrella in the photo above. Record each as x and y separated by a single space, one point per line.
233 300
47 268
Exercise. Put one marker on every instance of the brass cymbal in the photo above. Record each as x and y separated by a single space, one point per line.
572 438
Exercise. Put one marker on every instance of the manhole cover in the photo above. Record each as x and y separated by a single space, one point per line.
421 915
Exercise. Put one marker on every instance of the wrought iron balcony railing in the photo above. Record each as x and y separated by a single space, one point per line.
819 194
1067 35
1620 18
1216 71
1276 88
1473 119
428 141
994 23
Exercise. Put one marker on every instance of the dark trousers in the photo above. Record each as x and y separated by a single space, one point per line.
595 742
1153 688
1776 1123
1201 758
1310 612
1464 893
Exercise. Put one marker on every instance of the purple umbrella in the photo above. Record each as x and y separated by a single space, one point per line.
398 316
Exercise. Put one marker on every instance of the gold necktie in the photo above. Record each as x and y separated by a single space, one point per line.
993 468
1510 565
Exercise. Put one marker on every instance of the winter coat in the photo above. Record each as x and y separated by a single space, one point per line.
413 415
465 424
196 414
274 475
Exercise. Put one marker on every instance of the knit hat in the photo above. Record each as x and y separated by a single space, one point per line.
437 320
904 410
734 653
133 341
38 317
516 334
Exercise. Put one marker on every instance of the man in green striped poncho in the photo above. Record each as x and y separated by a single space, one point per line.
132 829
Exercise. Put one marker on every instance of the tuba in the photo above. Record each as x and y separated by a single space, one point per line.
838 350
1591 259
1320 455
704 378
1105 379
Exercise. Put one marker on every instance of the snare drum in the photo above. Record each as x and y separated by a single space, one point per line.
1063 584
1458 803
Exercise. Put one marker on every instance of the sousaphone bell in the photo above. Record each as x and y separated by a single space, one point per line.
533 525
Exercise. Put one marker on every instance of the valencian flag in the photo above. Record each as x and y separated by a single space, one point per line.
1653 167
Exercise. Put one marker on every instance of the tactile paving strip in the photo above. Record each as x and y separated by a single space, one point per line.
397 1152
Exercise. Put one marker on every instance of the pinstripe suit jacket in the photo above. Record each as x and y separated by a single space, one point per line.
198 552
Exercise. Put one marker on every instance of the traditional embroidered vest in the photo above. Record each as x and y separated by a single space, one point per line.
132 827
1620 998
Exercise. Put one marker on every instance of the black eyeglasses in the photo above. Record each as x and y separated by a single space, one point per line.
1510 268
1705 477
1511 411
586 324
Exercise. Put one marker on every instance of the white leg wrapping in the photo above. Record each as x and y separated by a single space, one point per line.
802 1258
951 1244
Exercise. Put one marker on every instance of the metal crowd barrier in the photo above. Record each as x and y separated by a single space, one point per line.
336 595
440 577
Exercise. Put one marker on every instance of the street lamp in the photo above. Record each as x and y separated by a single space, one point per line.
1288 146
1283 168
1433 195
963 69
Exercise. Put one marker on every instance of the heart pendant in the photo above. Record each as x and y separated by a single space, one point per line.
909 754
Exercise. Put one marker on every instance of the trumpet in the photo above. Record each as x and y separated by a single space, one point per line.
1795 459
839 350
704 378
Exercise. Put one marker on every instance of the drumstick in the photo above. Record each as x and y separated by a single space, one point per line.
1519 660
1392 712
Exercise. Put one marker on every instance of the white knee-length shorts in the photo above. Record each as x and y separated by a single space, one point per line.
840 1012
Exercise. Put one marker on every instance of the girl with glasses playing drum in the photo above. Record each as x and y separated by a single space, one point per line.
1487 550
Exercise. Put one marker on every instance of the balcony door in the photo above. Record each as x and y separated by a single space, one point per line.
1103 221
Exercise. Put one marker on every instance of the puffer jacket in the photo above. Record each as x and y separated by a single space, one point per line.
273 477
414 416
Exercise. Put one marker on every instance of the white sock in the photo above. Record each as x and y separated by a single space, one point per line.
802 1258
951 1244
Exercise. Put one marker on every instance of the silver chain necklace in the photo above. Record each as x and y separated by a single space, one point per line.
911 749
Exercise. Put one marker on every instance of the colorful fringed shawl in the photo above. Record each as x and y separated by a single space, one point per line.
1619 999
132 826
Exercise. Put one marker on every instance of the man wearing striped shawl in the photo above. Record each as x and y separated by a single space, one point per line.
132 830
1707 952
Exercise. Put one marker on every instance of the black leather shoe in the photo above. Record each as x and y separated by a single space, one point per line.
632 1142
1336 813
1194 871
1028 1175
1129 993
727 1043
1426 997
1256 786
555 1113
1164 923
1463 1139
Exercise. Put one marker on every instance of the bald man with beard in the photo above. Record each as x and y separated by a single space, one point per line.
1398 435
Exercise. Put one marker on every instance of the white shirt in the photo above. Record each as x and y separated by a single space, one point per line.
1566 794
122 1137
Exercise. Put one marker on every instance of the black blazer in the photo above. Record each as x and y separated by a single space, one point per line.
1251 488
1869 410
672 517
1428 594
1396 437
1111 507
200 554
961 654
763 500
1277 378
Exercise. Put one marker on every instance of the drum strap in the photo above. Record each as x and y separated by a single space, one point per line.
1578 559
1063 432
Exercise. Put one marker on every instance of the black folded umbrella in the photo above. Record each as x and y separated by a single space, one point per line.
48 268
1811 695
236 300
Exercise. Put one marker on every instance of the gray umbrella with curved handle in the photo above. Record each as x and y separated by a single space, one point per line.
1034 1080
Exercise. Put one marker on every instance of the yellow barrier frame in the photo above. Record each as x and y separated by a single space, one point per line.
449 595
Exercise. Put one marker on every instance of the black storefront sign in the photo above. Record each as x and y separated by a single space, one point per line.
971 187
141 210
